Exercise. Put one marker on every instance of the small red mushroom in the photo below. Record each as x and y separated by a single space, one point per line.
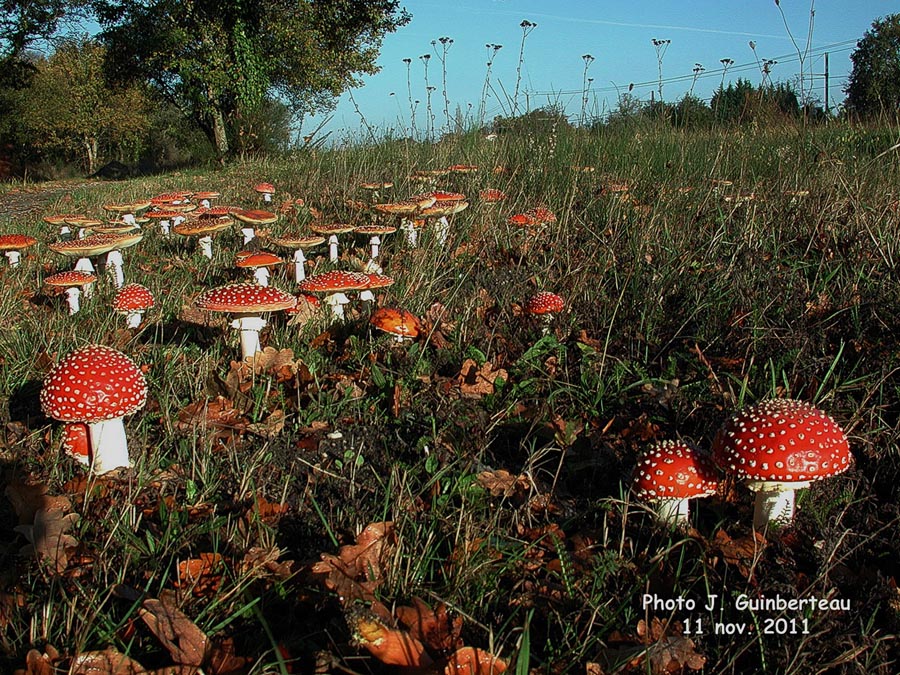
332 285
779 446
98 386
668 475
133 300
545 305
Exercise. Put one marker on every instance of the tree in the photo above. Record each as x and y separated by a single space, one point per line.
216 59
23 21
874 84
69 107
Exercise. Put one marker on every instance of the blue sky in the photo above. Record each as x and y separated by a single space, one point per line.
619 38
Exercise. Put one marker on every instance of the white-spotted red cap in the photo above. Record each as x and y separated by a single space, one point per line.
133 298
264 188
673 470
544 302
782 440
93 384
245 298
75 442
335 281
70 278
15 242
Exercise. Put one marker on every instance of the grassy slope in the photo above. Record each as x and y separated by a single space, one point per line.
682 306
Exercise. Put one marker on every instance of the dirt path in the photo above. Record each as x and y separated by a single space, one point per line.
28 201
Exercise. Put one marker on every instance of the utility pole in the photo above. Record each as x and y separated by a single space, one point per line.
826 84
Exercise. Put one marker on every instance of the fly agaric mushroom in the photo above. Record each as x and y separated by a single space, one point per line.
12 246
203 228
76 442
376 281
374 231
247 302
266 190
332 230
73 281
133 300
668 475
332 285
98 386
259 262
251 218
400 323
98 244
779 446
545 305
297 242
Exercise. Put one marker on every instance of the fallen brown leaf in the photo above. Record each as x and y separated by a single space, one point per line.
391 646
475 382
186 643
435 627
474 661
110 661
49 537
741 553
501 483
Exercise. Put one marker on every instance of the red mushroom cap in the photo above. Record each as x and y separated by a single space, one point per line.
76 442
15 242
257 259
379 280
782 440
396 322
255 216
70 278
335 282
673 470
93 384
133 298
492 195
544 302
264 188
245 298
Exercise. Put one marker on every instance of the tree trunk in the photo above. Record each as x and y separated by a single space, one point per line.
90 146
218 135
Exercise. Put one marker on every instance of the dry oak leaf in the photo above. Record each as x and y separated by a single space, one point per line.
187 644
742 552
501 483
474 661
203 574
435 627
29 498
110 661
366 560
669 653
37 663
271 360
391 646
270 427
475 382
49 537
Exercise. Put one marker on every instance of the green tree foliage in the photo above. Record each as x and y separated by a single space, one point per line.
874 84
741 102
23 21
220 59
69 108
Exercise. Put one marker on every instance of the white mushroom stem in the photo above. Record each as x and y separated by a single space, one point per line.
204 203
177 220
299 269
443 229
249 234
128 218
774 502
205 244
13 257
372 267
114 263
375 242
671 511
85 265
73 294
267 197
409 230
333 248
133 318
164 227
109 445
82 232
367 296
65 232
249 325
261 275
337 301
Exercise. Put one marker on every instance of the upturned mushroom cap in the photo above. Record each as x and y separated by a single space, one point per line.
258 259
164 214
60 218
407 207
69 279
96 244
447 208
203 226
396 322
93 384
256 216
264 188
296 240
385 185
331 228
782 441
133 298
673 470
462 168
16 242
335 281
245 298
375 228
544 302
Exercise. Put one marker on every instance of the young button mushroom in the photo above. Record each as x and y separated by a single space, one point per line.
779 446
133 300
668 475
247 302
544 305
98 386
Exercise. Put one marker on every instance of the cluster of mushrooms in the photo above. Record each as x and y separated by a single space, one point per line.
775 447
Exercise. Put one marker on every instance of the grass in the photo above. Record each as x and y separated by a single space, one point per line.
682 306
